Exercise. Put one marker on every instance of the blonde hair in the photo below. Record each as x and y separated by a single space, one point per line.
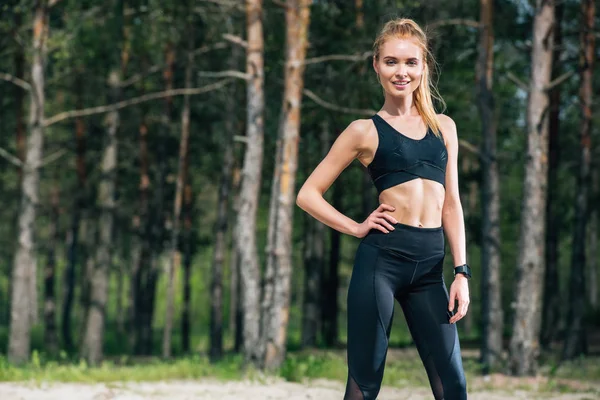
404 28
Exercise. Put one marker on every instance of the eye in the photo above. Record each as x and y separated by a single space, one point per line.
412 62
390 62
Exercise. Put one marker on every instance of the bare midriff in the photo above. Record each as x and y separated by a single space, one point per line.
417 202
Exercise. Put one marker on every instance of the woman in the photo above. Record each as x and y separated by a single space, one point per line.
411 155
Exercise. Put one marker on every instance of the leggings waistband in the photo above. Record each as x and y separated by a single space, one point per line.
416 243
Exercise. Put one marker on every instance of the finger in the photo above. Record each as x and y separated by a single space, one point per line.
456 317
377 226
463 306
383 222
386 207
389 218
451 300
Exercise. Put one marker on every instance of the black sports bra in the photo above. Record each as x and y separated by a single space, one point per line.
399 159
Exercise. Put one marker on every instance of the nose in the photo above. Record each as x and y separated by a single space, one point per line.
401 70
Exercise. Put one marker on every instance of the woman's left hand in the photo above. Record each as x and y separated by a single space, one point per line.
459 290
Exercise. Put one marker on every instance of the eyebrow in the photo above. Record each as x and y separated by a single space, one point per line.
395 58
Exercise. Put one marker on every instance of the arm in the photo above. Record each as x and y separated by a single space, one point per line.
349 145
453 221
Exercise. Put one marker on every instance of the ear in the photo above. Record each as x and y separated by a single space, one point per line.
375 66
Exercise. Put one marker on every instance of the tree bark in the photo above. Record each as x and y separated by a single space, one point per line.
279 247
221 228
187 265
491 302
524 344
141 246
73 236
552 302
329 308
236 307
166 125
94 331
314 264
23 290
19 60
251 182
360 14
50 333
593 243
92 346
575 341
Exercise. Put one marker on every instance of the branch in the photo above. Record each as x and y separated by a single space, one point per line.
517 81
559 80
52 157
339 57
136 100
155 68
471 148
10 158
13 79
225 3
454 21
224 74
236 40
334 107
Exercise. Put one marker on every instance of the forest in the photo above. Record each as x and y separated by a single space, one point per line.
151 153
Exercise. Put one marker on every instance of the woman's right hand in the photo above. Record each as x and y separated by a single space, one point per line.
378 219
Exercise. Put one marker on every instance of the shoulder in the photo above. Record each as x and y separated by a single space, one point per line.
359 131
448 128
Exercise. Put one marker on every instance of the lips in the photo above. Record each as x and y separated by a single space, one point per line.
400 84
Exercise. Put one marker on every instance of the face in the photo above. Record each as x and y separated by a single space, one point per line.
400 66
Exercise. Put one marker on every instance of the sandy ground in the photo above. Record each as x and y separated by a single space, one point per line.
270 389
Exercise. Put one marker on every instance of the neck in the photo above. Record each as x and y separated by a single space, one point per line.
400 106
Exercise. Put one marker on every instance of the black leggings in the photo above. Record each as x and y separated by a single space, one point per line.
405 264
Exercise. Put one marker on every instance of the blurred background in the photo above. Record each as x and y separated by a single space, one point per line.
151 151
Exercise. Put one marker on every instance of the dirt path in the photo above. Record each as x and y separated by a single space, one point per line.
271 389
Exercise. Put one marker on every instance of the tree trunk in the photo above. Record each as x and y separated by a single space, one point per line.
166 125
593 243
141 246
314 264
491 302
73 236
524 344
236 307
92 346
19 95
469 200
360 14
251 182
186 198
50 333
279 247
187 264
94 331
331 279
575 342
24 295
221 228
552 301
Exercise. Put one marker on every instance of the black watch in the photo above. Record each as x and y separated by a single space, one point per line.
463 269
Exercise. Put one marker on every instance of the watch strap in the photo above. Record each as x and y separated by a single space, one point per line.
463 269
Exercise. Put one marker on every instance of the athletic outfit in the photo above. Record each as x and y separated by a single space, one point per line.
404 264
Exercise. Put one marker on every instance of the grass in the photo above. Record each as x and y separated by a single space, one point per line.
403 369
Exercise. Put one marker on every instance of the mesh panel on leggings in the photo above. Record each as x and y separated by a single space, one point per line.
353 392
434 378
